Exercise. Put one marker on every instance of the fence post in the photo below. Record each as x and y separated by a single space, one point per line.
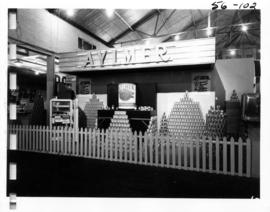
232 159
240 157
203 154
173 152
102 144
115 145
35 138
162 150
151 150
185 152
26 138
70 140
191 154
210 141
40 138
145 148
217 156
85 143
131 141
111 145
90 142
65 140
98 143
135 141
248 157
225 156
198 154
156 142
58 139
106 145
61 136
42 129
179 151
140 147
121 145
167 151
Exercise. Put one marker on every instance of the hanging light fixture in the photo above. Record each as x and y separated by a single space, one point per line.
208 31
70 12
177 37
109 12
232 52
244 28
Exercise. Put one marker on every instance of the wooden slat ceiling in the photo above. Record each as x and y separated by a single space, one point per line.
131 27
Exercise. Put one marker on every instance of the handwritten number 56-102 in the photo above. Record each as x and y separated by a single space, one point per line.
222 5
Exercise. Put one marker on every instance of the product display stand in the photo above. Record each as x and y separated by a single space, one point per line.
186 118
64 112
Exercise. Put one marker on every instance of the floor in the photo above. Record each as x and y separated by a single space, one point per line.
51 175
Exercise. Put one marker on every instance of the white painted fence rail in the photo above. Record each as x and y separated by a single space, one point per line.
206 155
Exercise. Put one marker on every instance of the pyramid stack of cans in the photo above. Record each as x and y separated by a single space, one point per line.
234 97
163 130
120 122
91 109
215 123
152 127
186 118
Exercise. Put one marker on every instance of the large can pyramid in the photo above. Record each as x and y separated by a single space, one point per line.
186 118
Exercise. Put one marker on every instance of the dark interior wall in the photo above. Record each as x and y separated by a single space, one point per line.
168 79
218 87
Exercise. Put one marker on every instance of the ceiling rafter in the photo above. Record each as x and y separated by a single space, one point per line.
144 19
155 29
199 21
194 24
126 23
165 21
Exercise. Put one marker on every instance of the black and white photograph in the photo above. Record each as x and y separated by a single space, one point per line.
134 103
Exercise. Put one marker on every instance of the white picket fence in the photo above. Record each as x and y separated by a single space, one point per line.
205 155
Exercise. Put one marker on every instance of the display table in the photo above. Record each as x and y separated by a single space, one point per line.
139 120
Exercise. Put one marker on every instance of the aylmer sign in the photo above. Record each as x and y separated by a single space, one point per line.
128 56
189 52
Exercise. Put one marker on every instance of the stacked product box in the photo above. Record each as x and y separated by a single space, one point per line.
91 109
215 123
120 122
186 118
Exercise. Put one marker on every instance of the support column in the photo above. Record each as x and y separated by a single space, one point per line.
50 84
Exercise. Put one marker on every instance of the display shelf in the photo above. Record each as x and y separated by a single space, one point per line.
61 112
139 120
